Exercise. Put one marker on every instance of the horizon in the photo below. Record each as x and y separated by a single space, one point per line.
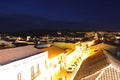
45 14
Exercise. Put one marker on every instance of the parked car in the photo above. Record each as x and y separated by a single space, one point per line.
70 69
76 63
73 66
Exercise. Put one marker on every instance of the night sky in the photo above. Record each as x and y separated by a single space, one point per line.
80 11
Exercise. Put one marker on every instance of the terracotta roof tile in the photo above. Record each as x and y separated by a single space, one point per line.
92 64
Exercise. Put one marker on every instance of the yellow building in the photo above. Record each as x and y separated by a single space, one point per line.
72 51
65 45
55 62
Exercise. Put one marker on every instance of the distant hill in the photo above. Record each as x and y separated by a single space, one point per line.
20 22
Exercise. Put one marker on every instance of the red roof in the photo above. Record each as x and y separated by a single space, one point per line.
13 54
92 64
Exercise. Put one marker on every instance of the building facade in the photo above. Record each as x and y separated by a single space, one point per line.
22 63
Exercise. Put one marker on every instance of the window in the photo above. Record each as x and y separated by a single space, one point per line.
32 72
38 69
61 57
46 64
19 76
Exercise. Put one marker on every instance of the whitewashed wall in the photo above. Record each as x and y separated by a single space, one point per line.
10 71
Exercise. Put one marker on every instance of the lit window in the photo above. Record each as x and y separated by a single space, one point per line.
19 76
32 72
46 64
38 69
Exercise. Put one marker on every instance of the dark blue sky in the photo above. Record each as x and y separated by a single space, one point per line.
78 10
85 11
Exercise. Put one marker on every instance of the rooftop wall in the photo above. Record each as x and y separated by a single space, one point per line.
65 45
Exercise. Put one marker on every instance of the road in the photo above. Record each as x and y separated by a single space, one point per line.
66 75
85 53
70 76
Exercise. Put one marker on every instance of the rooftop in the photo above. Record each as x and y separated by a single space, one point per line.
91 65
100 66
13 54
53 51
68 51
110 74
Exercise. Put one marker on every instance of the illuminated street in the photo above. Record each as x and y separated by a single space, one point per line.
92 51
64 75
59 60
98 63
59 39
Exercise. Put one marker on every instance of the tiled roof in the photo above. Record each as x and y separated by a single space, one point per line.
110 74
91 65
103 63
53 51
93 77
13 54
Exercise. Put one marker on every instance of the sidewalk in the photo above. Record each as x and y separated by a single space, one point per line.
63 75
59 75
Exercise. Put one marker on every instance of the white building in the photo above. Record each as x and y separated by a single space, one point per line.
72 51
55 63
22 63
